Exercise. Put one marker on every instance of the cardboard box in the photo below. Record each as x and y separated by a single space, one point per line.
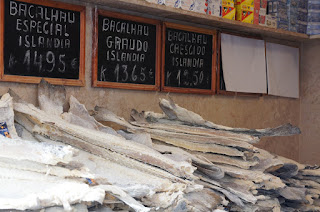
228 9
173 3
247 2
256 13
263 12
245 11
200 6
214 7
279 11
271 21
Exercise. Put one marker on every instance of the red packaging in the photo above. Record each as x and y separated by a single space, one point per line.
263 12
256 12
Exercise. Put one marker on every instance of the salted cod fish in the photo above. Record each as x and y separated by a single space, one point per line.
177 139
175 112
131 180
135 183
26 150
28 190
79 115
111 142
52 98
222 137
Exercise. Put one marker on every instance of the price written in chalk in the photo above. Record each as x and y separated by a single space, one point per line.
46 62
184 79
188 59
121 73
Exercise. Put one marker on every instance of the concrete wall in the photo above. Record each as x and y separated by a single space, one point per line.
310 103
248 112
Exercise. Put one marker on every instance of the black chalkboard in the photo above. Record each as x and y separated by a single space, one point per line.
188 59
42 39
126 51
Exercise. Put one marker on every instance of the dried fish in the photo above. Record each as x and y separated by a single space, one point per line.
222 159
52 98
123 196
39 167
111 142
79 110
175 112
33 151
35 194
214 148
104 153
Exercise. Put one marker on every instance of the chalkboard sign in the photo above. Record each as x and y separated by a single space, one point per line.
42 39
126 51
189 59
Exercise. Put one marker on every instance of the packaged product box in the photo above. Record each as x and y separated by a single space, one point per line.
293 14
256 12
4 131
245 11
302 27
187 4
314 5
173 3
169 3
156 1
263 12
271 21
293 21
272 8
313 29
228 9
214 7
283 25
200 6
279 11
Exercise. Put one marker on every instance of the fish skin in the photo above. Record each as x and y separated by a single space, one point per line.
117 173
175 112
51 98
187 135
161 135
111 142
57 135
26 150
39 167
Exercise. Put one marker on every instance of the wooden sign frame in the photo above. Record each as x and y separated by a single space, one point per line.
132 86
214 57
233 93
36 80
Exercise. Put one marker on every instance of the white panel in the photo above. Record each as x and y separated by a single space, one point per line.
283 70
244 65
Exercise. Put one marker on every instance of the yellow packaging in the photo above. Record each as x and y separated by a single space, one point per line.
245 11
228 10
247 2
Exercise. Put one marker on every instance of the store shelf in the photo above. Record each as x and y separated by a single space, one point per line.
313 37
164 12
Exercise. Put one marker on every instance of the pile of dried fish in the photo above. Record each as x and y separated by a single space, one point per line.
174 161
245 177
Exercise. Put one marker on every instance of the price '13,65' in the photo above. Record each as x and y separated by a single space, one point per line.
124 73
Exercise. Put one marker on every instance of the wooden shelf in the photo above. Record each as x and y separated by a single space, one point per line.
165 12
313 37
